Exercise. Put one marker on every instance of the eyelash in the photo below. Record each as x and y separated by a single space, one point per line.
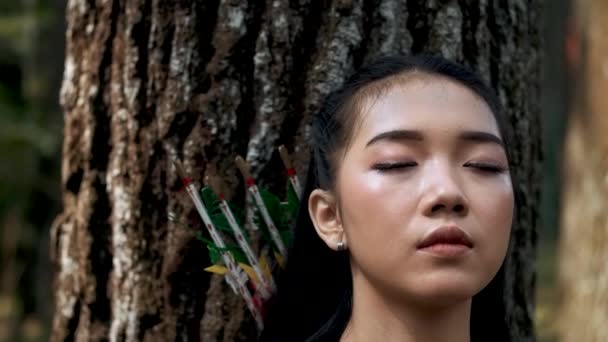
387 167
483 167
486 167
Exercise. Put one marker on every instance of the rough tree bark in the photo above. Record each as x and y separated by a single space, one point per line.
583 276
149 81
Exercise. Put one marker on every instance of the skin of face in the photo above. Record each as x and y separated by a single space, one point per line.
393 189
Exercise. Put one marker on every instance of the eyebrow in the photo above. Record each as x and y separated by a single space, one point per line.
405 135
396 135
482 137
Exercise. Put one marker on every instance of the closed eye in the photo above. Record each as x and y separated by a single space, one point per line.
486 167
394 166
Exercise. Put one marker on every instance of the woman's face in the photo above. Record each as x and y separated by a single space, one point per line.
424 194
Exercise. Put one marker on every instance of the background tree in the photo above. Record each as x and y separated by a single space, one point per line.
149 81
583 280
555 100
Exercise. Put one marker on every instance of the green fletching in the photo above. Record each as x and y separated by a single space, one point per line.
273 205
199 236
220 222
238 213
212 204
215 252
239 216
289 210
259 221
214 255
210 199
237 253
286 235
282 214
261 224
285 219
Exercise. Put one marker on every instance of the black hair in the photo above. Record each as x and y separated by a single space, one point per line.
313 301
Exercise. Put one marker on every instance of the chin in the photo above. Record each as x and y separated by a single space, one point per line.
444 291
446 296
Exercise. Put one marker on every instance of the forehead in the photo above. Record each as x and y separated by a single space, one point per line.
431 104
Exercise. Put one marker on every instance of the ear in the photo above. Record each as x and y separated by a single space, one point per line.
323 211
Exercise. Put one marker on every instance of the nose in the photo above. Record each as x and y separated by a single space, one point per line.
443 193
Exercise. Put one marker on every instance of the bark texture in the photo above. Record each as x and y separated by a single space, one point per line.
584 236
147 81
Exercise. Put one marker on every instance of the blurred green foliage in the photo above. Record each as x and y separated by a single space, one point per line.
31 57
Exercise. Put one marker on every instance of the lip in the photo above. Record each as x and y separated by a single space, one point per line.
447 241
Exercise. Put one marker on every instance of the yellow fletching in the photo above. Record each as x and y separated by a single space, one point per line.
250 272
217 269
280 259
265 267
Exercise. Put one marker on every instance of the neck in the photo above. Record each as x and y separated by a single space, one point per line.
376 318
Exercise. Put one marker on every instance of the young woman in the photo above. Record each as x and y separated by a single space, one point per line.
406 213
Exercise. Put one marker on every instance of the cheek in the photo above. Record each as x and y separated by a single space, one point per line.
362 197
495 214
374 215
501 212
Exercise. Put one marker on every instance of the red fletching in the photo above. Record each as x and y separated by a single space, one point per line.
258 303
185 182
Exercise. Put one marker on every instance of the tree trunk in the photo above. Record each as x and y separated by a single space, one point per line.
149 81
583 254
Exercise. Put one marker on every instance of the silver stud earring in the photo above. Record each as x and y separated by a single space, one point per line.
340 246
